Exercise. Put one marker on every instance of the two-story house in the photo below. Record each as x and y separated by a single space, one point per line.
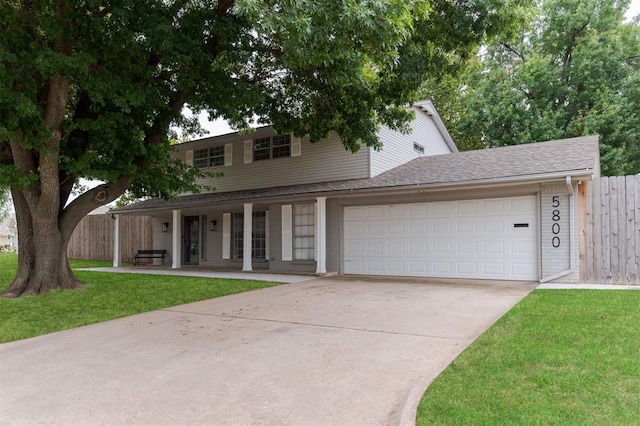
416 208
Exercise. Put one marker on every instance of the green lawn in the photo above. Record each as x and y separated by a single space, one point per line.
105 296
560 357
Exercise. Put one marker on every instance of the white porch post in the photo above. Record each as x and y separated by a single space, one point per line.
321 235
176 254
117 257
247 238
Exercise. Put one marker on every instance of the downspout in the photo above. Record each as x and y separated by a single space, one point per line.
571 237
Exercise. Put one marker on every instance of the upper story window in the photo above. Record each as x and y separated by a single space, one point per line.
210 157
272 147
418 148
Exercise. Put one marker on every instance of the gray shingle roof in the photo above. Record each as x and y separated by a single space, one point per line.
575 156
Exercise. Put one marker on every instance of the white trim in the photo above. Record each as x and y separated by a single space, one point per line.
248 151
287 240
321 235
175 240
228 154
247 238
266 227
226 235
117 258
189 157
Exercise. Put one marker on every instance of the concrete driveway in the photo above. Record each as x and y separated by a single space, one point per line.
329 351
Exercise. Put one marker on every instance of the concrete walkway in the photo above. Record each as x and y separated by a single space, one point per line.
328 351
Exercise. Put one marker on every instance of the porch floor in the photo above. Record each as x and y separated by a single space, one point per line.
192 271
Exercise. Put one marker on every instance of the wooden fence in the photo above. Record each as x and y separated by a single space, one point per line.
610 230
93 237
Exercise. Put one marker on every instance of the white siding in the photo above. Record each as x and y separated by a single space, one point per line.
398 149
557 241
323 161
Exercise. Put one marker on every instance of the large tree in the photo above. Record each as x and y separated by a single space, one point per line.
90 88
574 70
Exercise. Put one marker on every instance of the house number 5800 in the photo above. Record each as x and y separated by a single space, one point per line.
555 217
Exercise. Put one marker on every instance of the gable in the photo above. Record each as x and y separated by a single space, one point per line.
428 136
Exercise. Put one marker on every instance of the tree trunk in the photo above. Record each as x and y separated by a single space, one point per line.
44 238
42 257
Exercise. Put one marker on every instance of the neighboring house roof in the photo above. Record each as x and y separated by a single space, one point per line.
577 157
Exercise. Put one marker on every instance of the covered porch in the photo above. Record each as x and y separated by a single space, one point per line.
287 235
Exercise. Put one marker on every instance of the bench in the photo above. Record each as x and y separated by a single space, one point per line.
149 254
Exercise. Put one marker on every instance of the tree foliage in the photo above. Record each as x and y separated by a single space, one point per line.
90 89
574 70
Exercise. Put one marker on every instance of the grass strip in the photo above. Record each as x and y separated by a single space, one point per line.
558 357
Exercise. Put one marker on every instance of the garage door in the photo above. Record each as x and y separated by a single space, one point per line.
485 239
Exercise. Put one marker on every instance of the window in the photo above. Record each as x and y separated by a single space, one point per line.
281 146
210 157
201 158
261 149
304 231
272 147
216 155
258 240
418 148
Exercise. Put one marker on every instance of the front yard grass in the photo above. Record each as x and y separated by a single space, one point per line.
559 357
105 296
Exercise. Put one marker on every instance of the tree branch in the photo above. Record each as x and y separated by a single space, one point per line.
90 200
512 50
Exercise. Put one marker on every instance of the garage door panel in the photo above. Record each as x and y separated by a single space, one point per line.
442 267
418 228
398 210
417 210
467 268
467 239
468 226
467 247
417 268
493 247
441 209
375 212
396 228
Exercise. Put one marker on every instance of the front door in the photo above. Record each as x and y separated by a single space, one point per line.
191 247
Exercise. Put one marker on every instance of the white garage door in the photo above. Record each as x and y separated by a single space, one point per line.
485 239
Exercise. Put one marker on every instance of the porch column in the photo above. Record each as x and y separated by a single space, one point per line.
117 256
176 252
247 238
321 235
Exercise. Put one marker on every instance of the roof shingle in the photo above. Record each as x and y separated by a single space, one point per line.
519 162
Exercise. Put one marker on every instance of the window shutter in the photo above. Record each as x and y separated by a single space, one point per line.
228 154
226 236
287 241
189 157
266 224
248 152
296 147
